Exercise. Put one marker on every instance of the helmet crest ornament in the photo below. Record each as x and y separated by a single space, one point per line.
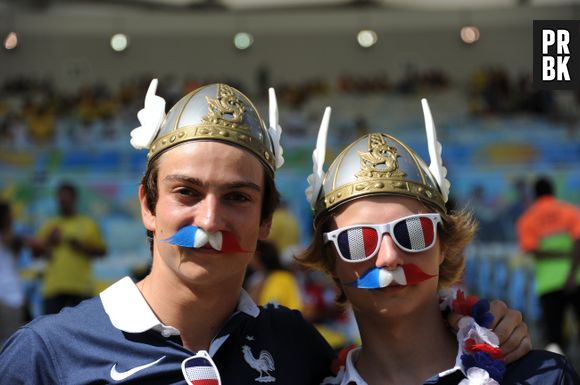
380 161
226 109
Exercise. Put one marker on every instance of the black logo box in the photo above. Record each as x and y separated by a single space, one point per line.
573 28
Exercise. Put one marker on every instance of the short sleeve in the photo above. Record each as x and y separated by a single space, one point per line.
574 221
25 359
527 237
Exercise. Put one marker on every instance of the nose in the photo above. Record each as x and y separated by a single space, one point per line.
208 214
389 255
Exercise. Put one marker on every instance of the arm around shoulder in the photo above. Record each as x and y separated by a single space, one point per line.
540 367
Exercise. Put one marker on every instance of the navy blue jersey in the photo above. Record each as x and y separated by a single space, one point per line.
81 346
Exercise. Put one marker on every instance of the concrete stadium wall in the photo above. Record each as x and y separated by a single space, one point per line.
73 47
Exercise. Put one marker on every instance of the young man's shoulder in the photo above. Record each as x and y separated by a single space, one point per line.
540 367
73 329
54 345
86 313
282 323
280 313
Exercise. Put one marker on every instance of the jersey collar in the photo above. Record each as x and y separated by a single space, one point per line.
129 312
349 375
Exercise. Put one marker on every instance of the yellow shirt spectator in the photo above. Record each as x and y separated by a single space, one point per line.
69 270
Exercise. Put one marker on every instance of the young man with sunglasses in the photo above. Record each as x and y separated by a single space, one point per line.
206 198
384 234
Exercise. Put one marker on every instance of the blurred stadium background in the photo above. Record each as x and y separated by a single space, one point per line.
68 101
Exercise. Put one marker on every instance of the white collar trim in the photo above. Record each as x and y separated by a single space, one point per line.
129 312
352 374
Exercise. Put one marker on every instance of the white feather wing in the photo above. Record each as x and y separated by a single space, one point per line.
150 116
436 167
318 156
275 129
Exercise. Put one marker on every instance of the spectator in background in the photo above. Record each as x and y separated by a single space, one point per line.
486 215
284 281
518 204
70 241
333 321
285 232
12 298
549 230
271 282
13 132
41 122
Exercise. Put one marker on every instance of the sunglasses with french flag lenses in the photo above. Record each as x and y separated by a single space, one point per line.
200 370
413 234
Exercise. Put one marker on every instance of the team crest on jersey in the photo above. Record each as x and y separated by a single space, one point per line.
263 364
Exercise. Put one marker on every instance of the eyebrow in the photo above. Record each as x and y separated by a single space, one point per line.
226 186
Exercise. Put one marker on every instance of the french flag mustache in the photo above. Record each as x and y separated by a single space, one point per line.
376 278
194 237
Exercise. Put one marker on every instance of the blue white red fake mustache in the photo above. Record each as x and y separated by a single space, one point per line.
194 237
376 278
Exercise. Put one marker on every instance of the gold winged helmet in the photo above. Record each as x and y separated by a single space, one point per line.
214 112
377 163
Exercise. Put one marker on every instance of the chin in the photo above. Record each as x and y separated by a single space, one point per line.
387 301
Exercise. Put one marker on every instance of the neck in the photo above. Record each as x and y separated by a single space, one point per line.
198 312
406 349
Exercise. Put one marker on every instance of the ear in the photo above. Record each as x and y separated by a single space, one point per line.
441 256
265 227
147 216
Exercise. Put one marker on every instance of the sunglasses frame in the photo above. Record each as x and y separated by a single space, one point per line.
382 229
200 354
